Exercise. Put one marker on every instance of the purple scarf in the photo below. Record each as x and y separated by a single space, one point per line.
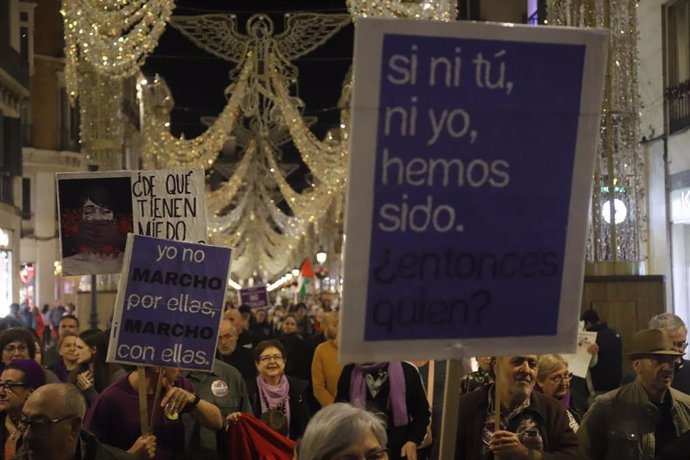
396 382
565 400
271 397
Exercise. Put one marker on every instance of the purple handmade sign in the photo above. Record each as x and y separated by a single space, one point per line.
169 304
255 297
472 151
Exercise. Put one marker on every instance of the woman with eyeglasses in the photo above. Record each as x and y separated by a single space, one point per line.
20 343
277 399
18 380
553 379
343 432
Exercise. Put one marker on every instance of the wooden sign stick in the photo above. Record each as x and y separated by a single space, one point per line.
143 411
156 400
497 400
449 416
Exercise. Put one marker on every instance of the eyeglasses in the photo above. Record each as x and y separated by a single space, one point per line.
378 454
658 360
11 385
11 349
680 345
40 425
562 378
267 358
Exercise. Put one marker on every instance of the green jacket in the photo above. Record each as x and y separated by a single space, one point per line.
621 423
225 388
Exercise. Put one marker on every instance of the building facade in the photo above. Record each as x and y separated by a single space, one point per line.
16 18
50 145
664 51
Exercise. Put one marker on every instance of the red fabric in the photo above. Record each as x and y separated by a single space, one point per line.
250 439
307 271
40 326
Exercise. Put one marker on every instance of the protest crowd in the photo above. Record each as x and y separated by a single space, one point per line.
278 391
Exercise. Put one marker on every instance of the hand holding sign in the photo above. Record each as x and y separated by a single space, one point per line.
144 447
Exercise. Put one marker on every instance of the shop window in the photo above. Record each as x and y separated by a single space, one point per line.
677 59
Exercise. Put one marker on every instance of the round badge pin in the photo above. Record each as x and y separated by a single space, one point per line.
219 388
170 414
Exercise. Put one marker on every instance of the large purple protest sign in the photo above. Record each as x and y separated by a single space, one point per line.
470 175
255 297
169 304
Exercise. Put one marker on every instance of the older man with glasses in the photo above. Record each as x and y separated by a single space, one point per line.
678 332
52 427
643 418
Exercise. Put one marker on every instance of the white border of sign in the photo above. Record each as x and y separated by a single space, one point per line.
119 309
369 35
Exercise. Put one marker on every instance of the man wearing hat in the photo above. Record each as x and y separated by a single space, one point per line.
637 420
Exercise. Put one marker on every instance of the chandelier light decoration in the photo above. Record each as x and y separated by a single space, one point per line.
113 36
439 10
243 211
618 231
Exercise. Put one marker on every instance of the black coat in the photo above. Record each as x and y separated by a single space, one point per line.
417 407
299 406
608 372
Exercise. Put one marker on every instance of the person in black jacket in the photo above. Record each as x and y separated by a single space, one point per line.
279 400
394 389
230 353
52 421
608 372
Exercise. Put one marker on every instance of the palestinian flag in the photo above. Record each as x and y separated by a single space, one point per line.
306 277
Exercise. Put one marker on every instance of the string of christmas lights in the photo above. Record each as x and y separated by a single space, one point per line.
113 36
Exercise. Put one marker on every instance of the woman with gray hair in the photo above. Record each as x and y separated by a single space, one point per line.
553 379
343 431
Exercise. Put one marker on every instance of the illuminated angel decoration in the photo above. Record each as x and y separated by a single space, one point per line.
245 212
218 34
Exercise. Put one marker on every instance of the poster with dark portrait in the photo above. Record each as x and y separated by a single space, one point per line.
95 213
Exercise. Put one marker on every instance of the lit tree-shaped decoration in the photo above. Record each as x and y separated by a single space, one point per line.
619 172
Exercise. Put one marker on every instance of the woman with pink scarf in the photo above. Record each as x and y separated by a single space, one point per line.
277 399
394 390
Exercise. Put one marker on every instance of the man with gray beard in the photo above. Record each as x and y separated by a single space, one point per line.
533 425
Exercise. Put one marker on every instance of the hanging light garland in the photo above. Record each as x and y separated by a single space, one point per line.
438 10
306 205
328 162
163 150
218 199
114 36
